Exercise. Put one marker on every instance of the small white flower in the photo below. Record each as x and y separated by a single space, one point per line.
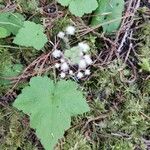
80 75
57 65
70 30
84 47
88 59
61 34
62 60
82 64
64 67
70 72
56 53
87 72
62 75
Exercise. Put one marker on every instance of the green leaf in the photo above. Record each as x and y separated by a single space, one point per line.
64 2
80 7
12 22
50 107
108 11
31 34
3 32
73 54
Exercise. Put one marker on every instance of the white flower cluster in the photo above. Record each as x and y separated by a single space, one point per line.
70 30
65 65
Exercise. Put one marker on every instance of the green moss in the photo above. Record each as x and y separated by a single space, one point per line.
28 5
118 145
144 49
13 134
5 58
8 69
125 104
75 141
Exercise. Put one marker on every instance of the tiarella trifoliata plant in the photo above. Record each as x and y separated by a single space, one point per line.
72 61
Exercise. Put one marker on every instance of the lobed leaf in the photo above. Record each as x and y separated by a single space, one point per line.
50 107
80 7
31 34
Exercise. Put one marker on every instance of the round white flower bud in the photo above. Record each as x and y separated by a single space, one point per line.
56 53
64 67
88 59
61 34
62 75
87 72
70 30
57 65
82 64
80 75
70 72
83 47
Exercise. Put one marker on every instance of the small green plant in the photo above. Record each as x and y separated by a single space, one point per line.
50 107
70 57
117 88
26 33
108 11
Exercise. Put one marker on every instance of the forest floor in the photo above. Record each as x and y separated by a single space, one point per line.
117 90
